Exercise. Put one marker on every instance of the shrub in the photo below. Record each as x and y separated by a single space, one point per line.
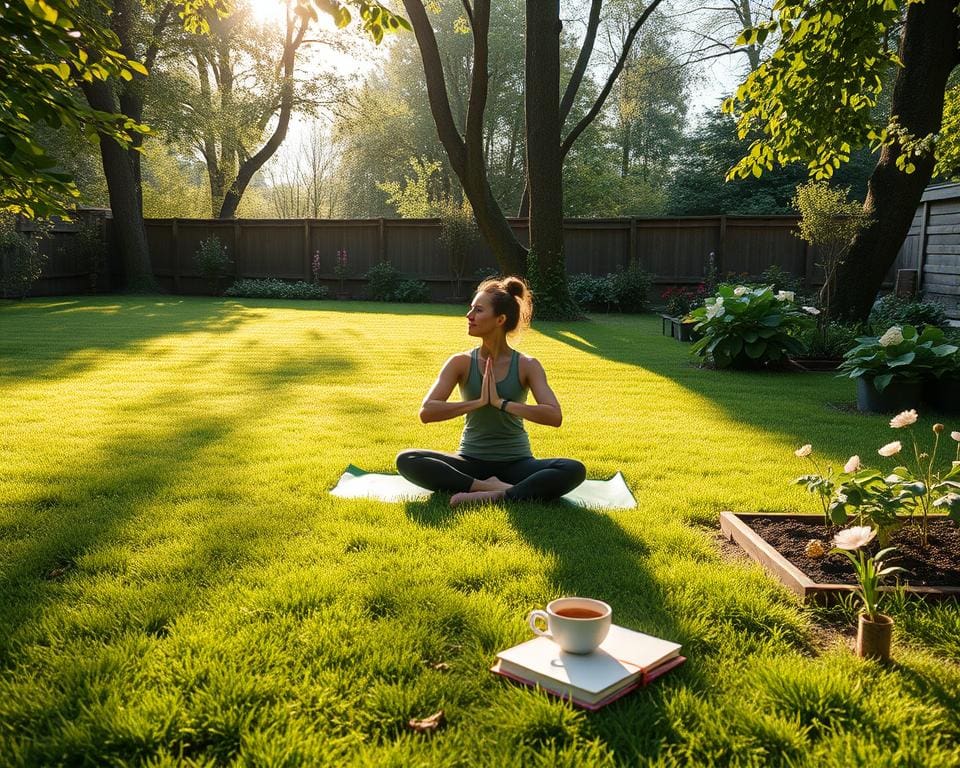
458 234
832 340
750 327
412 292
624 290
890 310
212 261
91 248
385 283
780 280
590 292
901 354
21 262
272 288
629 288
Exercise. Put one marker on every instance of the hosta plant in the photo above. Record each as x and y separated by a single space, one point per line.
900 354
747 327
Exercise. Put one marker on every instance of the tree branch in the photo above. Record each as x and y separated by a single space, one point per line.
618 68
586 51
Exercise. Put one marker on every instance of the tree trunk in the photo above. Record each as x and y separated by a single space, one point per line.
466 152
545 161
125 202
928 48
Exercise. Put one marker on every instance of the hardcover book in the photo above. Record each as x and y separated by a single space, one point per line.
625 661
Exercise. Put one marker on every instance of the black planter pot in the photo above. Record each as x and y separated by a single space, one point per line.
681 331
943 394
897 396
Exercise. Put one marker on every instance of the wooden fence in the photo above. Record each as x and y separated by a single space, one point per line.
674 250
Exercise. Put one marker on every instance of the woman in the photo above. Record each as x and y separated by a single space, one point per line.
494 459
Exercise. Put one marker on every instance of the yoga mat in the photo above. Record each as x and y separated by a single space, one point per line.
354 483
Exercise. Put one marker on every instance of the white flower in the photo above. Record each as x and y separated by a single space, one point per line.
741 290
893 479
854 538
803 451
890 449
715 309
785 295
955 436
904 419
852 465
811 310
892 337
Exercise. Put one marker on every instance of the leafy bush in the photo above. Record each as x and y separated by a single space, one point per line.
272 288
590 292
21 262
901 354
212 261
629 289
750 327
624 290
890 311
385 283
780 280
412 292
833 340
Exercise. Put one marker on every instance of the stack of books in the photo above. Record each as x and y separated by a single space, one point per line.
625 661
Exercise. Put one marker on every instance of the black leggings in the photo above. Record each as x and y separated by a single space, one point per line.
531 478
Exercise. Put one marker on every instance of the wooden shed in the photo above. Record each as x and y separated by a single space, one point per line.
933 246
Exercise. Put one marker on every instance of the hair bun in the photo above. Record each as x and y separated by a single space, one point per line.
515 287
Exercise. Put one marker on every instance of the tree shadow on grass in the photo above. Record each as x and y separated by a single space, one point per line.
73 332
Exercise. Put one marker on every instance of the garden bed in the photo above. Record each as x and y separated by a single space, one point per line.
777 542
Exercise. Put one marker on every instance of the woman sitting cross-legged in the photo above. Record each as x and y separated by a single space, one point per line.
494 459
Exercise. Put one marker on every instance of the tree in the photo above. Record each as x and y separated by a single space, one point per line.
48 50
812 101
545 114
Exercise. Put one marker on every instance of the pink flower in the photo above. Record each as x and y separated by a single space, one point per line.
803 451
852 465
890 449
904 419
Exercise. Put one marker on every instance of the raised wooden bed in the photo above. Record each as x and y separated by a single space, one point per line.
736 527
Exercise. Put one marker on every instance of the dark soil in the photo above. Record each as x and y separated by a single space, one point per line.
935 565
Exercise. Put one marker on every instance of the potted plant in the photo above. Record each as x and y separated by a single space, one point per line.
824 347
874 629
746 327
890 369
680 301
941 390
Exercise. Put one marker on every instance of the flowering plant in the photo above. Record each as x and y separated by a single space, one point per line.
747 327
340 269
870 570
880 500
681 300
900 353
316 267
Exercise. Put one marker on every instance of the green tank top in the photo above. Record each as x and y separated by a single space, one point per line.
489 433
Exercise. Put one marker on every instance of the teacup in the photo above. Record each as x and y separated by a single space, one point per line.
576 624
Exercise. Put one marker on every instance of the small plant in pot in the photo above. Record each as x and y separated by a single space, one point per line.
745 327
874 629
890 369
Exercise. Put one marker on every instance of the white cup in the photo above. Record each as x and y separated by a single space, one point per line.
576 624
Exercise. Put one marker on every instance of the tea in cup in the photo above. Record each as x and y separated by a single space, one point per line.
576 624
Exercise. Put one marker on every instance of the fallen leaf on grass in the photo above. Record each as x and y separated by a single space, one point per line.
428 724
440 666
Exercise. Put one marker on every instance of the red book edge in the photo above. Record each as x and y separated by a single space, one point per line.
641 682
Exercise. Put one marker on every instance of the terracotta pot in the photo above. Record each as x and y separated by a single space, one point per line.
873 637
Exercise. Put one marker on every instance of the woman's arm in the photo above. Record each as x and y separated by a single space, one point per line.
546 411
435 406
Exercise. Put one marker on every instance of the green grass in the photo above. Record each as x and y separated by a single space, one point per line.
177 586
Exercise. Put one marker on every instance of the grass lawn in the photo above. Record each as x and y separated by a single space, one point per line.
177 587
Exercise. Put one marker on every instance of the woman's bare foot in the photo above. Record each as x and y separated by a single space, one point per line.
490 484
476 497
